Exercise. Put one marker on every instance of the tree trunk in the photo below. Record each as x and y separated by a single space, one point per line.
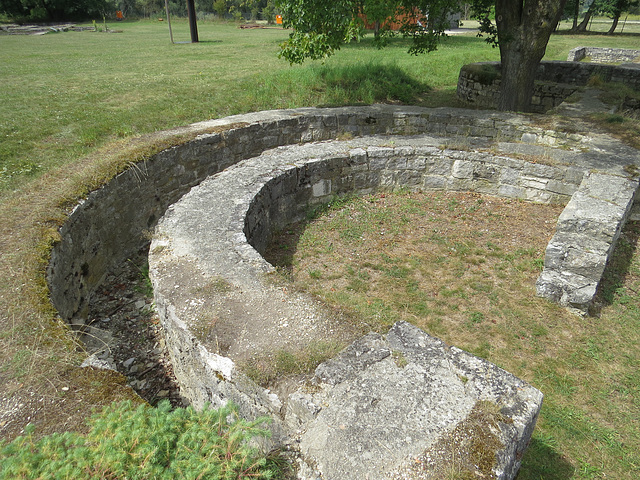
614 25
193 25
576 14
582 27
524 28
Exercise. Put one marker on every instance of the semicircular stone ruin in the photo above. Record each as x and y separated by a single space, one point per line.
388 403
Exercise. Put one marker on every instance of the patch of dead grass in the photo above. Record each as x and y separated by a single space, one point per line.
455 264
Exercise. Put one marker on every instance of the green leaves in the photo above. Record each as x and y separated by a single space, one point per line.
320 27
145 443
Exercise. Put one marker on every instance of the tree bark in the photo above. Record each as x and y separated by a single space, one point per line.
524 28
582 27
576 14
193 25
614 25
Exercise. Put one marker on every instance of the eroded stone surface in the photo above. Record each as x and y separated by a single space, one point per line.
386 401
585 237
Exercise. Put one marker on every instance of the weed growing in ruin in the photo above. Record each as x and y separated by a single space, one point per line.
282 363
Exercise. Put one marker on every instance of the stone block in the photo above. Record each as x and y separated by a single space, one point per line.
611 188
595 217
462 169
562 188
387 401
433 182
511 191
321 188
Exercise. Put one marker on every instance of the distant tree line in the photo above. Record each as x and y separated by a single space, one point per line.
581 12
77 10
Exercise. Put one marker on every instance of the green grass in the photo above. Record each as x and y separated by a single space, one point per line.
425 269
65 94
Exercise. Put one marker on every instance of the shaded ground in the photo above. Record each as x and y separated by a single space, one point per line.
124 333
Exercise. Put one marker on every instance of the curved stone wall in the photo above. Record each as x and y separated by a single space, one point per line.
238 184
219 309
209 276
114 222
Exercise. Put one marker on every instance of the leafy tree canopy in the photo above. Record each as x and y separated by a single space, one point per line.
56 10
321 27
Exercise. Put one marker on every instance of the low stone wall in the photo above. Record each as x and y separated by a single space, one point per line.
218 308
586 234
604 55
479 83
112 223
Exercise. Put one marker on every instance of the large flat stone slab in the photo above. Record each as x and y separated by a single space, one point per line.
406 405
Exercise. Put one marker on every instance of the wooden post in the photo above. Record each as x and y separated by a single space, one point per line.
166 6
193 26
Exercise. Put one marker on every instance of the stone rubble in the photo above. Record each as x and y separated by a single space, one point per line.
124 334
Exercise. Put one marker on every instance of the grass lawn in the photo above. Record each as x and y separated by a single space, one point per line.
70 100
463 267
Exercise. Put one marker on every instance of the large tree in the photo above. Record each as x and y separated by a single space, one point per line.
522 29
614 9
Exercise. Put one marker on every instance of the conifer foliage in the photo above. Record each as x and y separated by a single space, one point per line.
144 443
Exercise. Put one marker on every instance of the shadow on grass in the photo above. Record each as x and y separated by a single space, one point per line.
283 246
618 267
541 462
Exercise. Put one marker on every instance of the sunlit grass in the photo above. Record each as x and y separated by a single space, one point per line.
463 268
64 95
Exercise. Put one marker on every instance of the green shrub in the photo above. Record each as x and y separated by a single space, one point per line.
145 443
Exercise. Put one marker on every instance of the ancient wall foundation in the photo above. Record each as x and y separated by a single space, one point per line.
213 202
479 83
604 55
114 221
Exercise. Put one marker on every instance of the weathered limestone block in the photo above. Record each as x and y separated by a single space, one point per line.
387 401
586 234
